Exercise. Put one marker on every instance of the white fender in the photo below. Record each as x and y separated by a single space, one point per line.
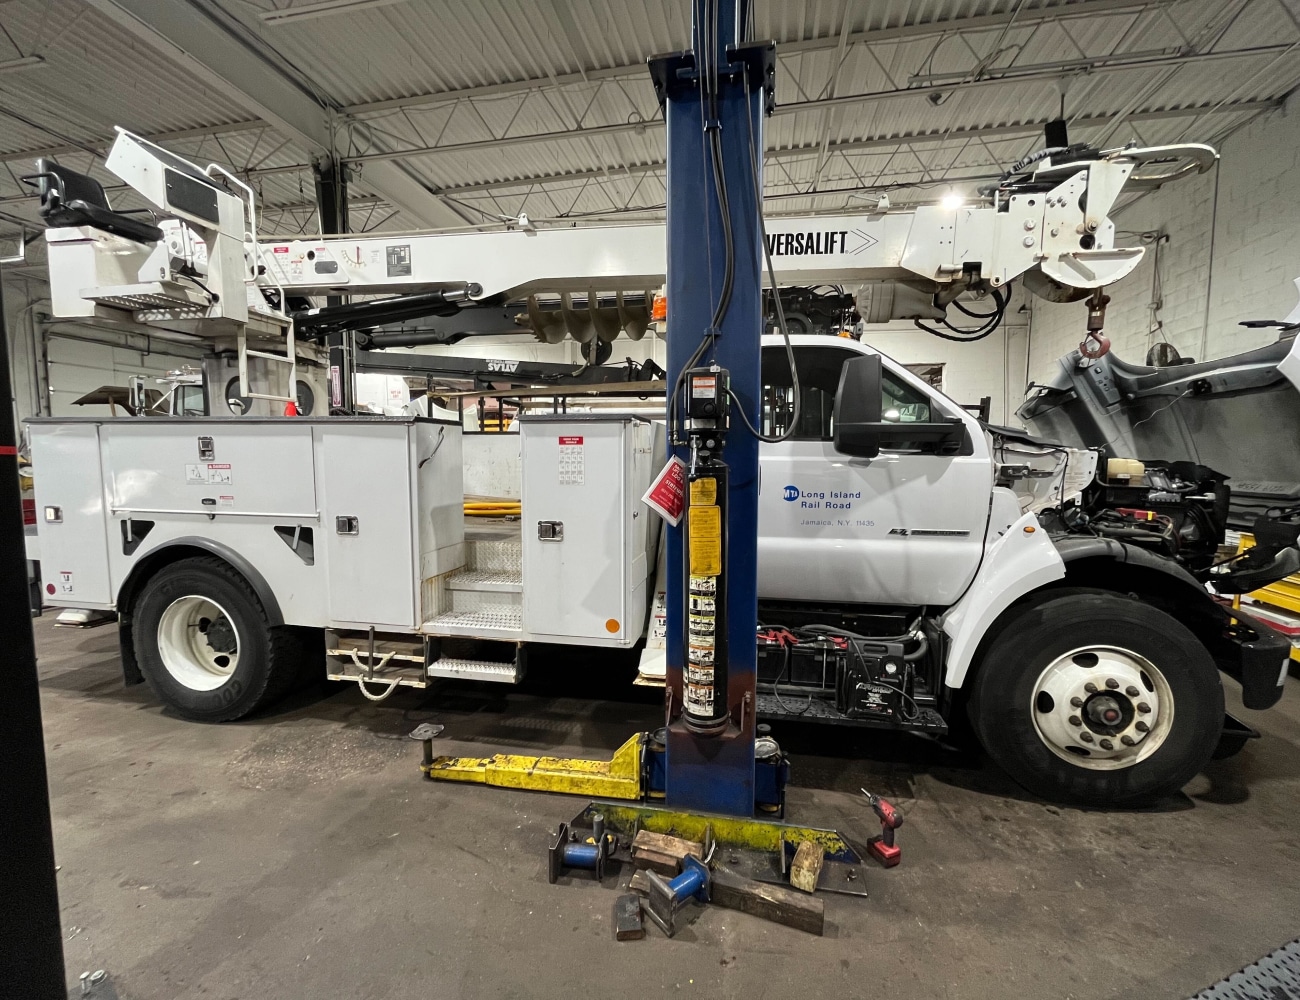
1019 562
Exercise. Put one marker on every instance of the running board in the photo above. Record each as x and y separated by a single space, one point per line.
478 670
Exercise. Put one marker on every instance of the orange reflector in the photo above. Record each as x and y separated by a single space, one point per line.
1030 529
611 625
658 308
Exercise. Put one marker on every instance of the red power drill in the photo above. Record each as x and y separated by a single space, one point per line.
883 848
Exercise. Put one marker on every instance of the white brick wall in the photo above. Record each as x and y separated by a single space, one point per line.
1218 267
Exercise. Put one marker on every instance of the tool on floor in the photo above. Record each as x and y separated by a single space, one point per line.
571 851
627 918
666 898
883 848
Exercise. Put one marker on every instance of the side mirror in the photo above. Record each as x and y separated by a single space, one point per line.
857 408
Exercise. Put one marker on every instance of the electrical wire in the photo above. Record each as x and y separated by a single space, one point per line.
213 297
991 320
709 98
776 689
797 410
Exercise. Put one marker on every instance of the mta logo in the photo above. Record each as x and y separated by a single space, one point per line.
792 492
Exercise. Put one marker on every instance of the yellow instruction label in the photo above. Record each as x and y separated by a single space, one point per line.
705 528
704 492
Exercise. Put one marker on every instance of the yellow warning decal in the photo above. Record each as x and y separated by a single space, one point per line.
704 492
705 528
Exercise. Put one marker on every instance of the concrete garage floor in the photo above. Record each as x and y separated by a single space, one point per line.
301 855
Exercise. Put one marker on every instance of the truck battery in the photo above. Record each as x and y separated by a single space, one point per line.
784 660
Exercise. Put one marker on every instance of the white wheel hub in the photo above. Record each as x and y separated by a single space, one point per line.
198 643
1102 707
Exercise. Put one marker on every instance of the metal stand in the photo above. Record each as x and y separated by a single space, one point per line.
31 938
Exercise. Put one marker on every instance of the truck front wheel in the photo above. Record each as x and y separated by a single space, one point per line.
204 645
1097 699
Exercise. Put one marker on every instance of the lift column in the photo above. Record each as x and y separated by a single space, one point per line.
715 98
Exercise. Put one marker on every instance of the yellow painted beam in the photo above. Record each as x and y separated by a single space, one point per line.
728 831
618 778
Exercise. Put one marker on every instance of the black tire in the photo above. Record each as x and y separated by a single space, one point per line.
269 656
1029 641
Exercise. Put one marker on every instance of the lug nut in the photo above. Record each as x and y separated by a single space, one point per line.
1143 707
1075 721
1127 740
1106 745
1090 687
1131 691
1112 683
1141 727
1076 702
1086 737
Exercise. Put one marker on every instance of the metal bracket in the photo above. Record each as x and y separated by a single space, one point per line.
675 74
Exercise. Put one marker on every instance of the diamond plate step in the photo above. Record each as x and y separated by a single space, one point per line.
1276 976
495 621
505 556
488 581
476 670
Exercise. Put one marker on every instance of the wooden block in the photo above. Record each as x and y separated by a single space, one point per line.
662 843
771 902
664 864
807 866
627 918
640 883
662 853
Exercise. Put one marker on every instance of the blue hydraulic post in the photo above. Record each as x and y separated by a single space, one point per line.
715 98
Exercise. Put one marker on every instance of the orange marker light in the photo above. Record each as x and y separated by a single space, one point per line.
612 625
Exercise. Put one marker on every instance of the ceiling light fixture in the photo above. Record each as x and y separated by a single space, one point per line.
952 200
325 8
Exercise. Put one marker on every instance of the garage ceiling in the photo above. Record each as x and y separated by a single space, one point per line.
451 113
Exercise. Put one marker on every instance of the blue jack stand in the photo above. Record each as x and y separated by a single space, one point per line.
568 851
667 898
714 99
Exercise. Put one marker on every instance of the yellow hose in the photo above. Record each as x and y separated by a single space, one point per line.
484 508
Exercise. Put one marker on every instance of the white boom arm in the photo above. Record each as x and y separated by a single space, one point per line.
1049 225
1061 229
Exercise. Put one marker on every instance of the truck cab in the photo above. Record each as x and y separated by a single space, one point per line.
902 528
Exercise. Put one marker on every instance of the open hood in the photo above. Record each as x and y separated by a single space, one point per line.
1238 415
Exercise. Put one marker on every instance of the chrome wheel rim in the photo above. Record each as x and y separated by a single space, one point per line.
198 643
1102 708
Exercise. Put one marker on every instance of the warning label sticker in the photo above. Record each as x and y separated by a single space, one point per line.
572 463
704 491
705 530
209 474
398 260
704 387
225 501
65 581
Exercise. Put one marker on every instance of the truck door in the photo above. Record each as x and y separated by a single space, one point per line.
906 527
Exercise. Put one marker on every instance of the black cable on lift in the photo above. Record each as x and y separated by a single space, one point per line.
797 411
962 336
709 85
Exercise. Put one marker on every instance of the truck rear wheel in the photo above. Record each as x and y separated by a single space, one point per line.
205 646
1097 699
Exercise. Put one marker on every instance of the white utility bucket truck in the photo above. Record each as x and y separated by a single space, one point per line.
914 563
